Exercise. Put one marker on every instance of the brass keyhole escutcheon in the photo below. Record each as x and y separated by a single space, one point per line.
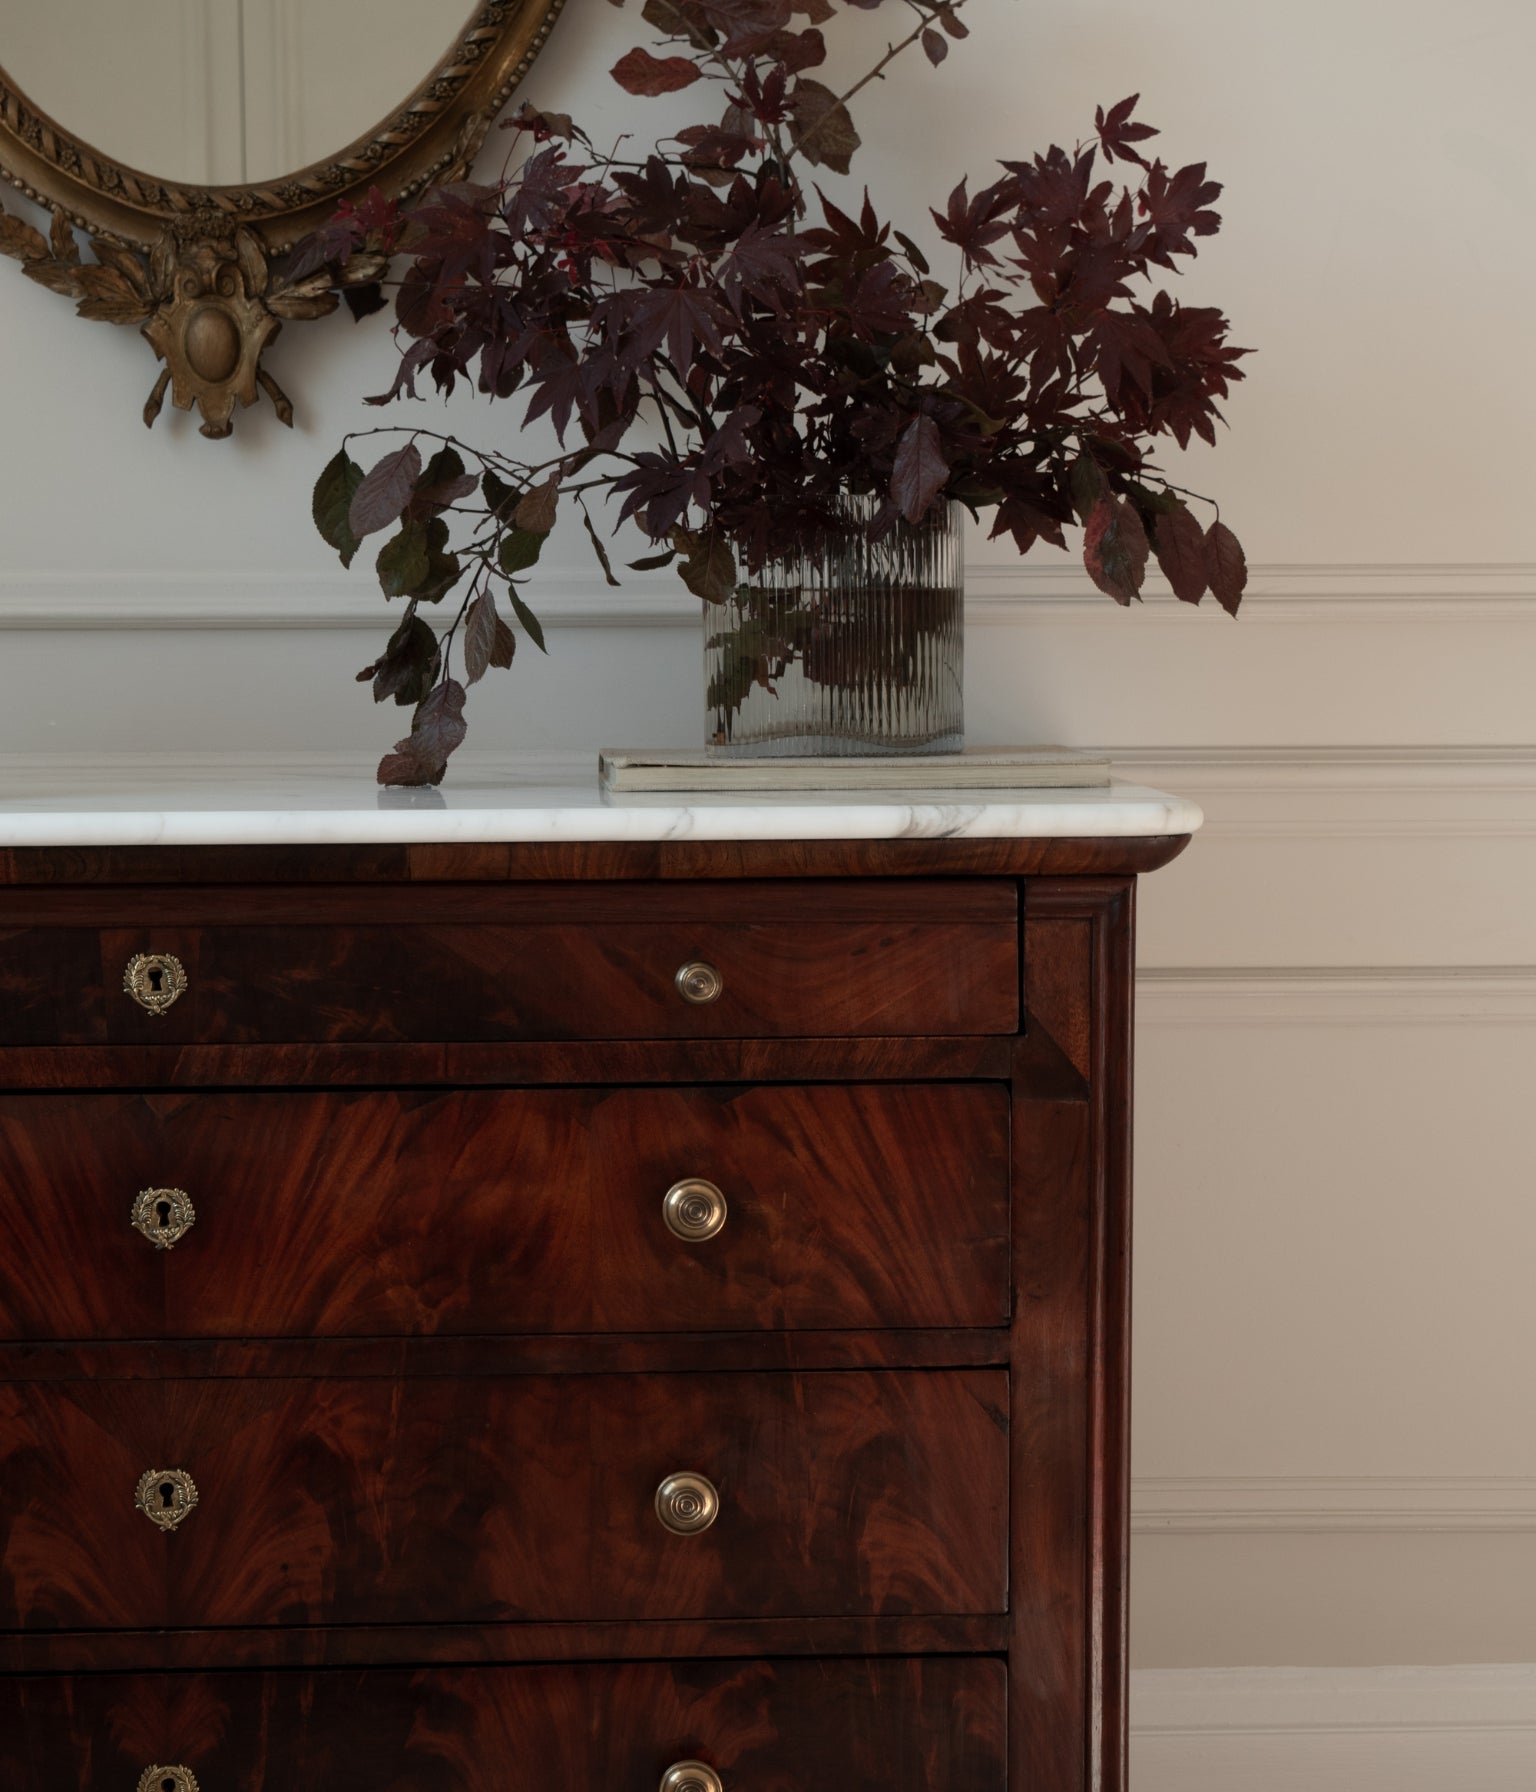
691 1776
168 1779
165 1496
163 1215
694 1210
687 1504
155 980
698 983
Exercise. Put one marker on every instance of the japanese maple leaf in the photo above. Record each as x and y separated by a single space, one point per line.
1177 207
761 264
1117 134
680 317
973 225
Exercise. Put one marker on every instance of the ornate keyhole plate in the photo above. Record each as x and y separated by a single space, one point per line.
168 1779
165 1496
163 1215
155 980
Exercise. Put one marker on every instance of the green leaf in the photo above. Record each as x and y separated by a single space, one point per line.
334 491
404 561
532 627
520 549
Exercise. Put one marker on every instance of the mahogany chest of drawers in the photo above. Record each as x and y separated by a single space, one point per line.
610 1317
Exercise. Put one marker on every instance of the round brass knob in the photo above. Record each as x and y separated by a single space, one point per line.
165 1496
698 982
163 1215
694 1210
691 1776
687 1504
155 980
168 1779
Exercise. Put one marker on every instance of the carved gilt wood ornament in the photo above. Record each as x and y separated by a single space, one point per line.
199 269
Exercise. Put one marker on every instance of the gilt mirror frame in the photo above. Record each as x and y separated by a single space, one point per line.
193 266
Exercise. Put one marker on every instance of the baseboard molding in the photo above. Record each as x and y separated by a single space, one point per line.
1393 1729
575 597
1194 1505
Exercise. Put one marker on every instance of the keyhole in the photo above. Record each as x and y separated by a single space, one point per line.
167 1785
167 1500
163 1208
155 974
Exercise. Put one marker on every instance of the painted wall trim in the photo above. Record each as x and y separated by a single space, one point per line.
1389 1729
574 597
1172 1701
1289 1504
1318 996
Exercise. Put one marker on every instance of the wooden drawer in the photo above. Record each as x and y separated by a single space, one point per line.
503 1498
935 1725
385 1214
520 962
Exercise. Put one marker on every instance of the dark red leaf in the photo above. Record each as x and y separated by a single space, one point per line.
1117 133
1115 549
639 71
437 729
934 46
487 639
920 469
385 491
821 127
1226 568
1179 542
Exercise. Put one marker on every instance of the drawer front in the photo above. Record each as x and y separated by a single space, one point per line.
502 1499
790 959
934 1725
380 1214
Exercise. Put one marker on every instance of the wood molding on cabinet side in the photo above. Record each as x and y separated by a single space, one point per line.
1071 1363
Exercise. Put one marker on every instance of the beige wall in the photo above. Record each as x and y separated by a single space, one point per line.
1334 1455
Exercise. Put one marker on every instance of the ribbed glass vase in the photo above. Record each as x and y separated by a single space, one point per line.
854 648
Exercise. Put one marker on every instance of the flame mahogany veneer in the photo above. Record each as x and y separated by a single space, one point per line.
428 1347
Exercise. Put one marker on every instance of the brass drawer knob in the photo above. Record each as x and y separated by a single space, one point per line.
693 1210
163 1215
687 1504
691 1776
169 1779
155 980
698 982
165 1496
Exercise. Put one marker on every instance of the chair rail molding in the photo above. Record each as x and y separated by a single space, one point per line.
1465 594
1290 1503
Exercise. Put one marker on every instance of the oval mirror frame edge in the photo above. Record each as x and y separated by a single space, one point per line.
190 264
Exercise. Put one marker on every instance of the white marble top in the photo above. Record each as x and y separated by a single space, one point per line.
169 800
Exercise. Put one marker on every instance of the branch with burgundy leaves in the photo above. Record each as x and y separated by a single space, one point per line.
727 352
